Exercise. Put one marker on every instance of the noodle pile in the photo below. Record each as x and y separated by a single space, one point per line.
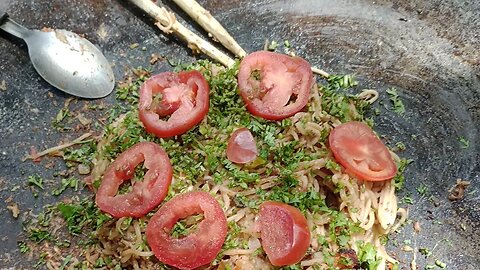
343 213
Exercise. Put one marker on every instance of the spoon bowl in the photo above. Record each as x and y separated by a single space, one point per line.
66 60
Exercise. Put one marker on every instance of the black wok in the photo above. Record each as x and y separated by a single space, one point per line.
428 50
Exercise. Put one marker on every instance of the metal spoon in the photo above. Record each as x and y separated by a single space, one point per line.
66 60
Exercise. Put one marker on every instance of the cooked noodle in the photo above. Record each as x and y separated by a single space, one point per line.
372 205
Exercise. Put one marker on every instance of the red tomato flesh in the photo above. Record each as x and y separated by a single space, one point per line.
242 147
284 232
199 247
360 151
145 194
182 97
273 85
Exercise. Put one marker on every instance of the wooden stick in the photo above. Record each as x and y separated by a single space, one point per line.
167 22
57 148
211 25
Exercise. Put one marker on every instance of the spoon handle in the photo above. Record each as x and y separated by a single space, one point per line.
14 28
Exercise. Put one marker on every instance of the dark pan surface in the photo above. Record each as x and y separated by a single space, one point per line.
428 50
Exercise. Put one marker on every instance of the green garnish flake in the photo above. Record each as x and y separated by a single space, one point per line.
35 180
464 143
440 264
336 101
23 247
401 146
399 178
422 189
397 103
71 182
38 235
183 227
272 46
367 255
82 214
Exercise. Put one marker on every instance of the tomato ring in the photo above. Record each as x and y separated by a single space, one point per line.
274 86
146 194
199 247
182 97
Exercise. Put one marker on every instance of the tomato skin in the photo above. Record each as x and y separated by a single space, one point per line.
146 194
356 147
284 232
184 96
199 247
241 147
281 77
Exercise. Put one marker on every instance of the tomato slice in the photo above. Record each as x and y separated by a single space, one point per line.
241 147
284 232
273 85
360 151
182 97
145 194
199 247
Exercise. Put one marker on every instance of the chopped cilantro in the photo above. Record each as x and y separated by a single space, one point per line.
397 103
400 146
440 264
367 255
272 46
399 178
336 102
422 189
35 180
38 235
23 247
182 228
407 199
82 214
66 261
464 143
71 182
425 252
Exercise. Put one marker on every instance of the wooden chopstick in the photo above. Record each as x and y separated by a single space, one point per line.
211 25
167 22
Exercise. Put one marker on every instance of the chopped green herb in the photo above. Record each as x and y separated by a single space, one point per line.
183 227
23 247
367 255
65 262
71 182
397 103
272 46
464 143
35 180
82 214
440 264
407 199
38 235
425 252
400 146
399 178
422 189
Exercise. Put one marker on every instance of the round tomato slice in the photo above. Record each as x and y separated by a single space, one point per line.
145 194
284 232
241 147
182 97
274 86
197 248
360 151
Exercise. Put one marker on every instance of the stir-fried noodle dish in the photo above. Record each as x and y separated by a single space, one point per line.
263 166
